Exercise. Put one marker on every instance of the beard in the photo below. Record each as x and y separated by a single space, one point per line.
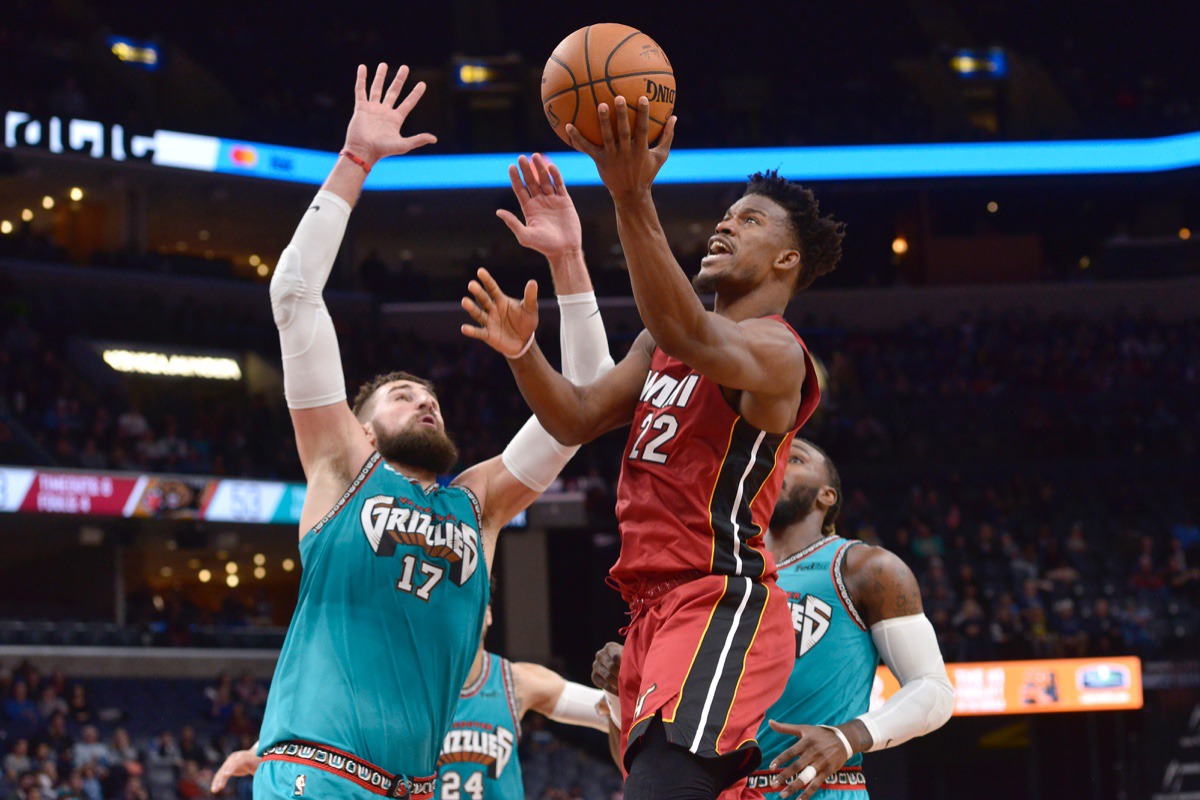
795 506
422 448
730 280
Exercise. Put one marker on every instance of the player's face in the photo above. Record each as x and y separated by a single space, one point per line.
749 242
407 428
803 481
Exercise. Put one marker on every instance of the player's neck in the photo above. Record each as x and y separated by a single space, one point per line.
476 667
426 478
795 537
748 306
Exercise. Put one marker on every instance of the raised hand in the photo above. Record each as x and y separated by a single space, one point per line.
374 131
626 162
506 324
551 225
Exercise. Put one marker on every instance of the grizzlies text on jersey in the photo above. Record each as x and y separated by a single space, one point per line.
835 660
479 753
386 625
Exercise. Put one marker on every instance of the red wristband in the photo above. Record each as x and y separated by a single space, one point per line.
356 160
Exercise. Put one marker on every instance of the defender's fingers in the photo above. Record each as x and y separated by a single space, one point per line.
529 175
518 185
393 92
530 301
560 188
377 84
472 308
489 283
515 225
360 83
481 296
471 332
413 98
545 181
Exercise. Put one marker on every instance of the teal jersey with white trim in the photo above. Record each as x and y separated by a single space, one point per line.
387 623
479 753
836 658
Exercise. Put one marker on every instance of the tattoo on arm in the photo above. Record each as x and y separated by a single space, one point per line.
881 585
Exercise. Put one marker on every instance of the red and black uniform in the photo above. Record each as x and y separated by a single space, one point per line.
709 645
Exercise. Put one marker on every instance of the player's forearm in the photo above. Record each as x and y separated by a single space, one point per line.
346 179
312 366
557 403
569 272
665 299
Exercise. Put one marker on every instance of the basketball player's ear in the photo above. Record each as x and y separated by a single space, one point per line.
827 496
369 430
787 260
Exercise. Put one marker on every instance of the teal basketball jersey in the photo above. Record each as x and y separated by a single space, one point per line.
835 657
387 623
479 754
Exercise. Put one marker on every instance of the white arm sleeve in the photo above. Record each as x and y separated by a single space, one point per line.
577 706
312 363
925 701
534 457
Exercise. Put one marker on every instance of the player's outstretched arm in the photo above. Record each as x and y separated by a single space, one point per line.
545 691
886 594
331 442
749 355
239 763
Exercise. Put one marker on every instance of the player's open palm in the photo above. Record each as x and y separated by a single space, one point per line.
374 131
817 754
505 323
551 225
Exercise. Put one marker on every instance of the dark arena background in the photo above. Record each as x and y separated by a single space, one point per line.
1010 354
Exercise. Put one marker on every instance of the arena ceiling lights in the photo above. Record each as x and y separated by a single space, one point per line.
91 139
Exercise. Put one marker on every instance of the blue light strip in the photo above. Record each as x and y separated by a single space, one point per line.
850 163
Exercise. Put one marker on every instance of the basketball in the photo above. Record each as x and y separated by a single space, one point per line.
596 64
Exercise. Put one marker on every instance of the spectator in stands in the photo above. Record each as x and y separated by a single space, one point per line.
192 783
163 761
50 703
190 748
1072 638
21 712
80 707
91 751
1104 630
17 761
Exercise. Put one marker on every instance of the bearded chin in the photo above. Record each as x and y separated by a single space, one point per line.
423 448
706 282
795 506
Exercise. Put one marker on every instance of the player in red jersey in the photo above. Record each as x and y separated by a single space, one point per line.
715 398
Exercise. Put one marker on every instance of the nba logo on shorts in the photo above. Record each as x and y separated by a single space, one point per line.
299 790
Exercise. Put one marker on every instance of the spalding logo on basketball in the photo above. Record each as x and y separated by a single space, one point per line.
596 64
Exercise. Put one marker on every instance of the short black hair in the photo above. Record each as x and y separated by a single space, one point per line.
828 524
819 238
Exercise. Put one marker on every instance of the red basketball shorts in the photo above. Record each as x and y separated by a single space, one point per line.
710 656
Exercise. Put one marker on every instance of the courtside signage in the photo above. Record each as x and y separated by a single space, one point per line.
1035 687
89 138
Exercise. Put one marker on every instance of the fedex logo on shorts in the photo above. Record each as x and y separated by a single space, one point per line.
440 537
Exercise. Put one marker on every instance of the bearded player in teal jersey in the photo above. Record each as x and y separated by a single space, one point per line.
395 580
852 605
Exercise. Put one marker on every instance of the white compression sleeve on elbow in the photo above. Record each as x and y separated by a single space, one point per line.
909 647
312 363
585 355
577 706
534 457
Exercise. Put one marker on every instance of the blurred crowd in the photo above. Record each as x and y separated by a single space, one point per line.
164 739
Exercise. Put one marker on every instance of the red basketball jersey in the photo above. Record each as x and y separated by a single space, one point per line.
698 483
